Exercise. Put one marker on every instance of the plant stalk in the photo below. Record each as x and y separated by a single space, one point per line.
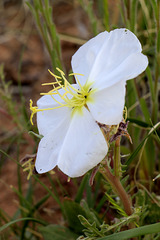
118 188
117 161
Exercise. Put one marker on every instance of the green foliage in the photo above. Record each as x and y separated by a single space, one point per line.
116 206
42 12
81 188
142 144
88 8
57 232
148 229
19 220
93 230
12 111
71 211
149 207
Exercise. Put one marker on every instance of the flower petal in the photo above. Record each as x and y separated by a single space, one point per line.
50 146
103 54
83 60
108 104
130 68
48 120
84 145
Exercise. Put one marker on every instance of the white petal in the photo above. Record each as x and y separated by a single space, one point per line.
84 145
130 68
48 120
108 104
103 54
50 146
83 60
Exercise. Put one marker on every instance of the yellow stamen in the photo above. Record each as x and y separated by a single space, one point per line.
59 70
71 97
78 82
51 91
74 74
55 76
125 113
52 172
69 179
64 94
24 164
34 110
30 167
52 83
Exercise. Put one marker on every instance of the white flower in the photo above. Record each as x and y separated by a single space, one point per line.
67 116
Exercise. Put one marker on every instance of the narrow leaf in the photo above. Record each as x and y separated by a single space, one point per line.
81 188
134 154
19 220
139 122
128 234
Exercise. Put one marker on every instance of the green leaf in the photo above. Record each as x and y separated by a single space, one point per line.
19 220
139 122
106 14
134 154
71 211
131 98
133 13
81 188
116 206
56 232
145 109
91 214
128 234
150 80
90 227
150 156
31 212
158 41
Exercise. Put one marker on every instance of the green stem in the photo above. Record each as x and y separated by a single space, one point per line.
106 14
118 188
117 161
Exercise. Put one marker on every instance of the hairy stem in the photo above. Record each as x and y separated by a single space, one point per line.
118 188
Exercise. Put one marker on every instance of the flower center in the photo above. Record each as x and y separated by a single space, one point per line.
66 95
80 97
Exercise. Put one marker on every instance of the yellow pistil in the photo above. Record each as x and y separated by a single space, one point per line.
69 95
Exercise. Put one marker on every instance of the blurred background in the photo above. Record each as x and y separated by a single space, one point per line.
24 64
